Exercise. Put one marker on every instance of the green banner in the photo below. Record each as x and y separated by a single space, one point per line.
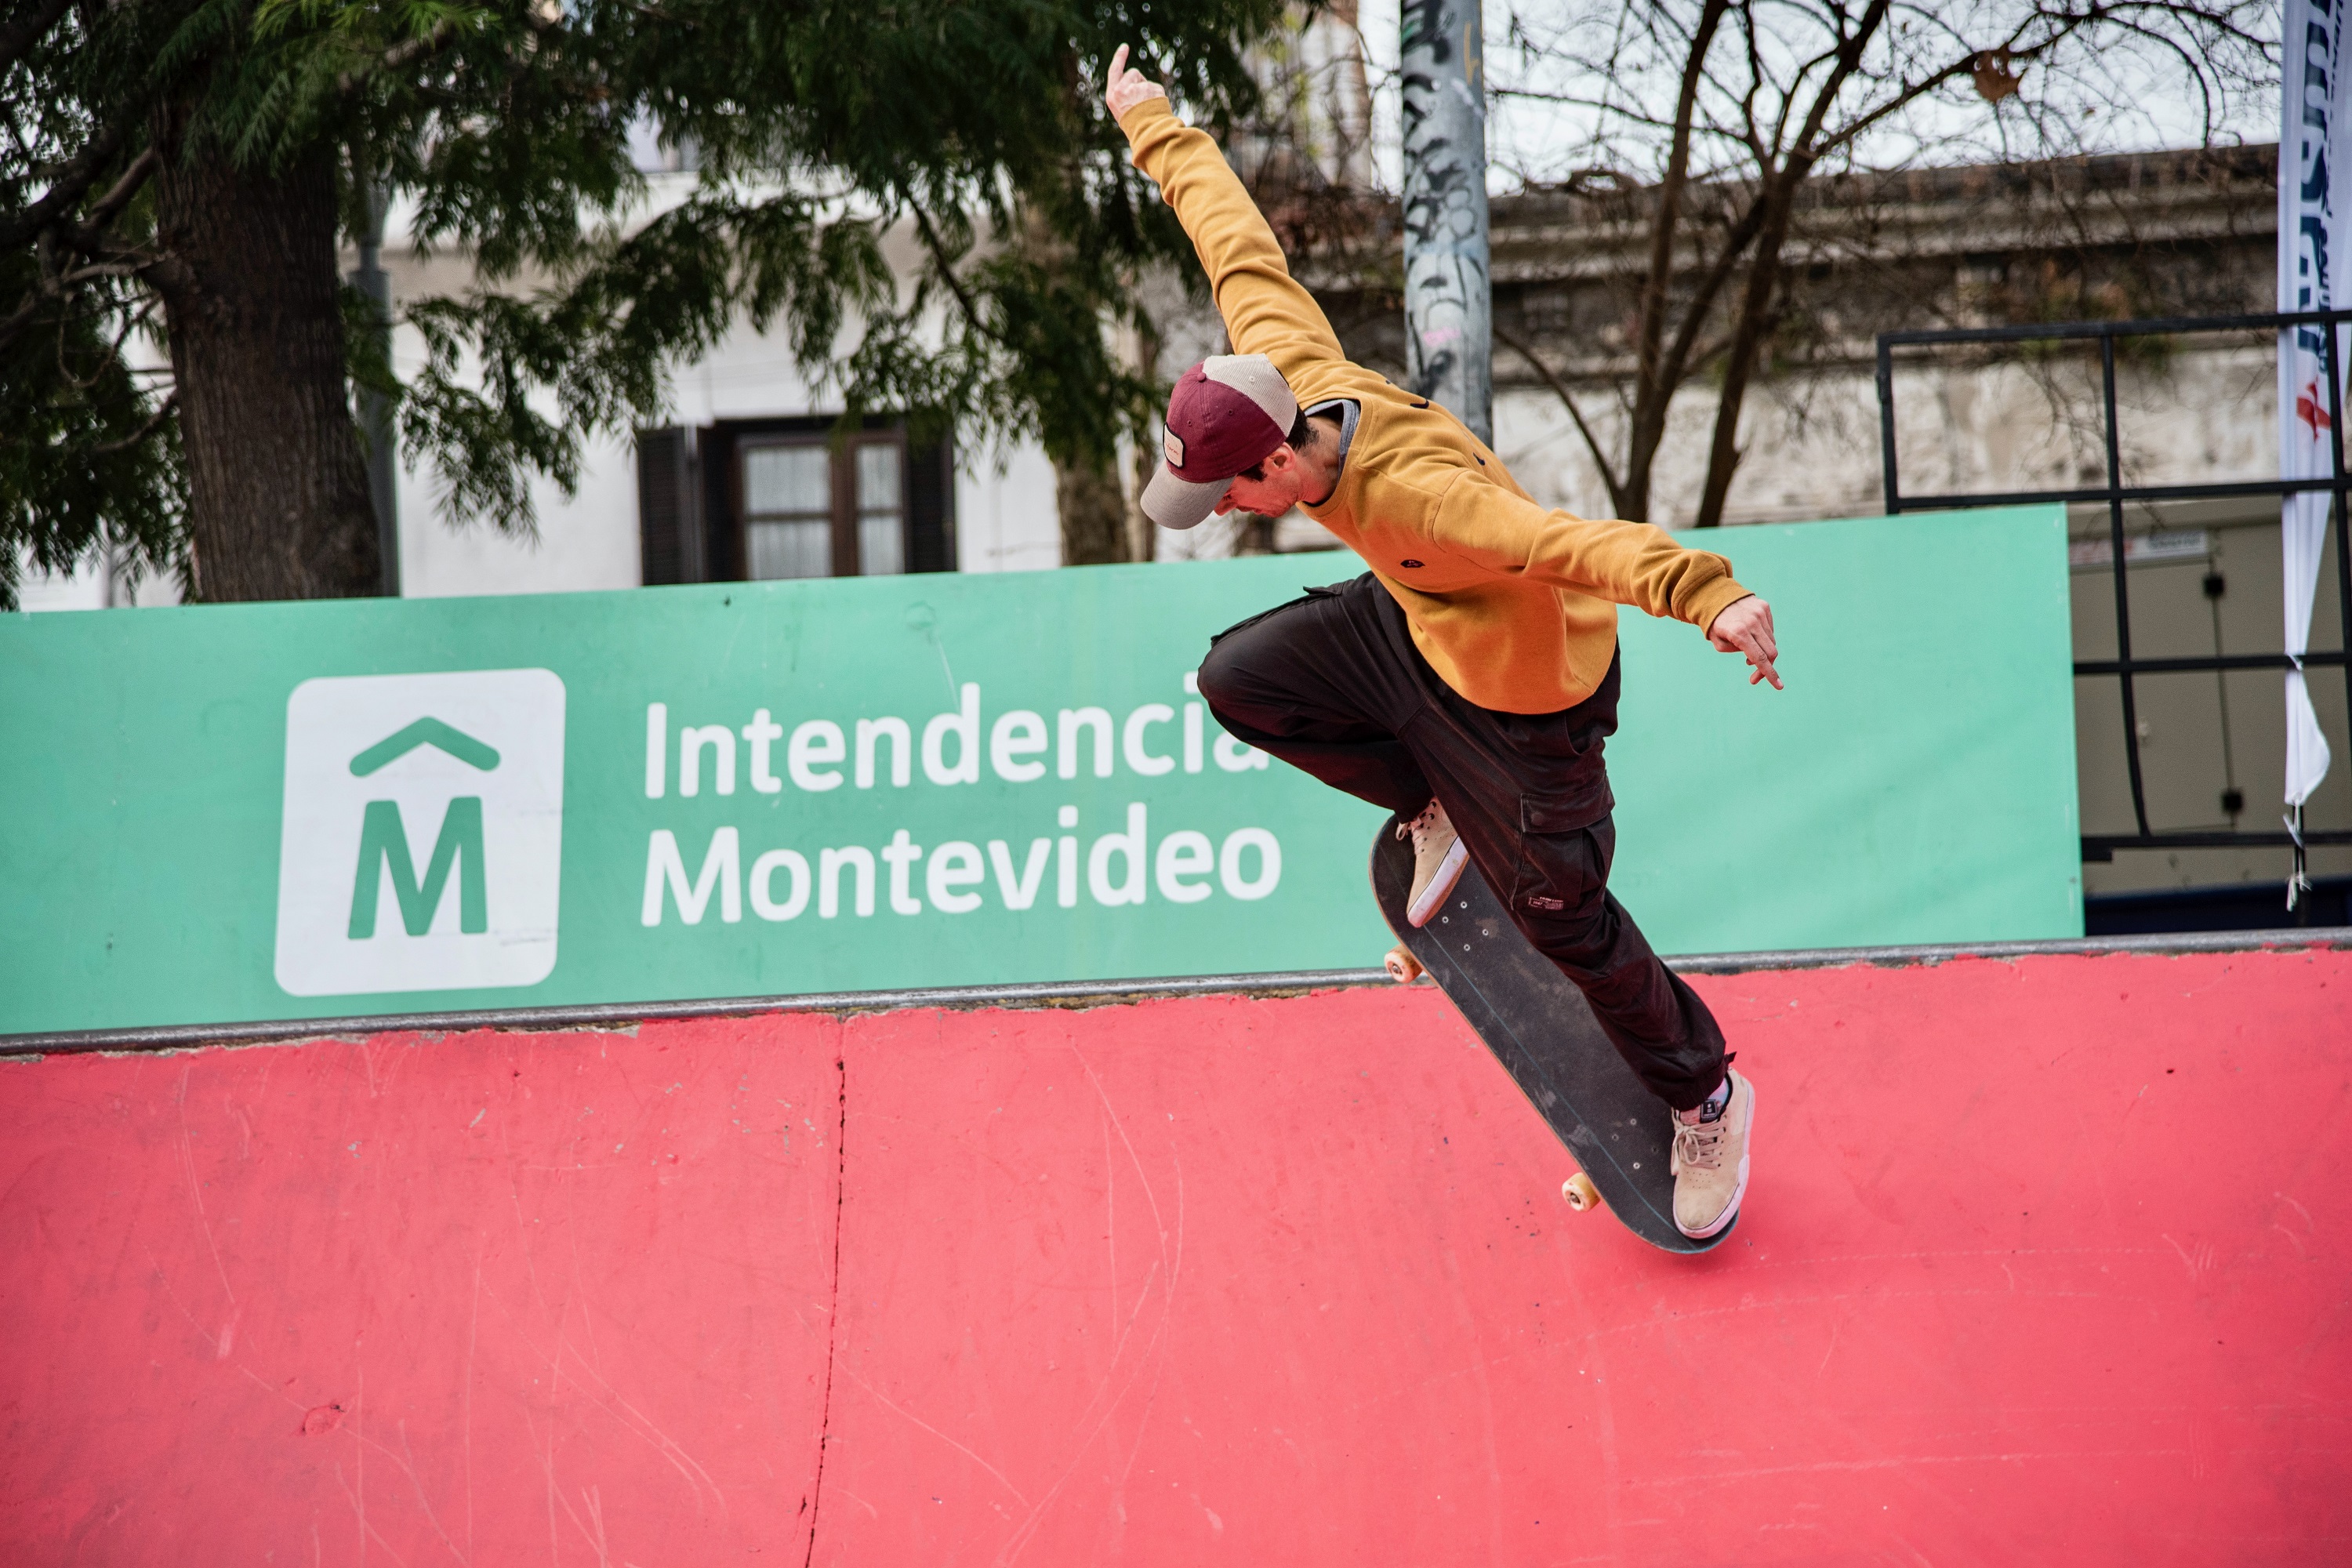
222 813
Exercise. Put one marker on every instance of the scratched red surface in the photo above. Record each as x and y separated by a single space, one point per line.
2044 1261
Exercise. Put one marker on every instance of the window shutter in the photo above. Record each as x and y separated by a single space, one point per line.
930 506
720 487
669 508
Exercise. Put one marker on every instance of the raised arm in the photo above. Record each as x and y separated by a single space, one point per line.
1265 309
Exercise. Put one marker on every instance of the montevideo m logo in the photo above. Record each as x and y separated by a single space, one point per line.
422 838
384 840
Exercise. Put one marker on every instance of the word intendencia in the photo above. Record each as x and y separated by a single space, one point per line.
818 756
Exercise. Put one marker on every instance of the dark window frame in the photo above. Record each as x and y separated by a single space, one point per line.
691 517
846 556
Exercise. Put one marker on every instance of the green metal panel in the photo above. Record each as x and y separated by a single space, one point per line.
1915 783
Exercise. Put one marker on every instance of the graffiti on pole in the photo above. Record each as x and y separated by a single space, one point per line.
1448 295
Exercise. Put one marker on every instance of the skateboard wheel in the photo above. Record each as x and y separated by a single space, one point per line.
1402 966
1579 1192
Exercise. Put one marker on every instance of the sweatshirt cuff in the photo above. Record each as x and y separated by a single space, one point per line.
1134 121
1714 599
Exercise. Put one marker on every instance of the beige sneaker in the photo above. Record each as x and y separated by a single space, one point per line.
1438 858
1709 1161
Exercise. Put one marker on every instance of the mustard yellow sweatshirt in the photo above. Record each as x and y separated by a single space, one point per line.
1514 606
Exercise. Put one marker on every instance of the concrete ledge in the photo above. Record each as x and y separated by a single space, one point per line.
1088 993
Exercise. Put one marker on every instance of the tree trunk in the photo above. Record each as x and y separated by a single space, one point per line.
1758 313
1093 515
1654 388
278 492
1142 539
1757 318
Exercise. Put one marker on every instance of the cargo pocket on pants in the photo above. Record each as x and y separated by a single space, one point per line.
1565 848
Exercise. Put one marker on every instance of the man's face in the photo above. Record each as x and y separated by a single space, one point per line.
1272 496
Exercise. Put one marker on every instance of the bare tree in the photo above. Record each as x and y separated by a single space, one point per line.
1699 124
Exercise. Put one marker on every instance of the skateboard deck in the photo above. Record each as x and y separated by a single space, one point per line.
1540 1029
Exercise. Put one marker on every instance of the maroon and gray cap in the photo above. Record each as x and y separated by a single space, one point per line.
1226 415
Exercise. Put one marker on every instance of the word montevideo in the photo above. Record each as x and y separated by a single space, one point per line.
819 756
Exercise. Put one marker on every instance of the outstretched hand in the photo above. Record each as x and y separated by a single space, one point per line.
1745 627
1124 89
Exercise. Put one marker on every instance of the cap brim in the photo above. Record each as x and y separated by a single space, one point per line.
1173 502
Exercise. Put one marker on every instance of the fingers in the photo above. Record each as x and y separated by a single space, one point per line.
1761 657
1752 635
1125 86
1745 627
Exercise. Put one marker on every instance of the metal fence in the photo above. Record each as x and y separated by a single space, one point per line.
2115 493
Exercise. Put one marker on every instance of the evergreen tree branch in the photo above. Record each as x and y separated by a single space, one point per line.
400 56
72 182
946 266
506 126
164 410
30 27
20 320
89 235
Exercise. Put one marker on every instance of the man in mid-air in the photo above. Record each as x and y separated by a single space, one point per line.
1467 681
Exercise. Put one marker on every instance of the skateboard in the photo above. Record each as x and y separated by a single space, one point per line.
1540 1029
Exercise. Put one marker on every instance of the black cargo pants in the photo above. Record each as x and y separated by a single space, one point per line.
1333 684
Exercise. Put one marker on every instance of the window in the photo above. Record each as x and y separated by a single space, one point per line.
787 511
815 508
881 515
778 498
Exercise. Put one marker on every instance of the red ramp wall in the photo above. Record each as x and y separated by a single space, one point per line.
2045 1260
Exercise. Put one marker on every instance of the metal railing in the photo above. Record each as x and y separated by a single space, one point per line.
2115 493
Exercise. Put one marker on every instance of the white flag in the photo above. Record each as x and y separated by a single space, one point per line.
2313 168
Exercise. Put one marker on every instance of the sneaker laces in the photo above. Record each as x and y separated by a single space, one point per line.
1699 1143
1419 827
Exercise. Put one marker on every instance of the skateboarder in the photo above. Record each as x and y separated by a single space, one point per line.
1467 681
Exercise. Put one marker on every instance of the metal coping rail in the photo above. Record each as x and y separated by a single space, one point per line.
1097 992
2116 493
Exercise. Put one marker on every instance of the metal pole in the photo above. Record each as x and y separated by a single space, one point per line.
2334 331
2330 333
1886 425
1448 293
375 408
2123 584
